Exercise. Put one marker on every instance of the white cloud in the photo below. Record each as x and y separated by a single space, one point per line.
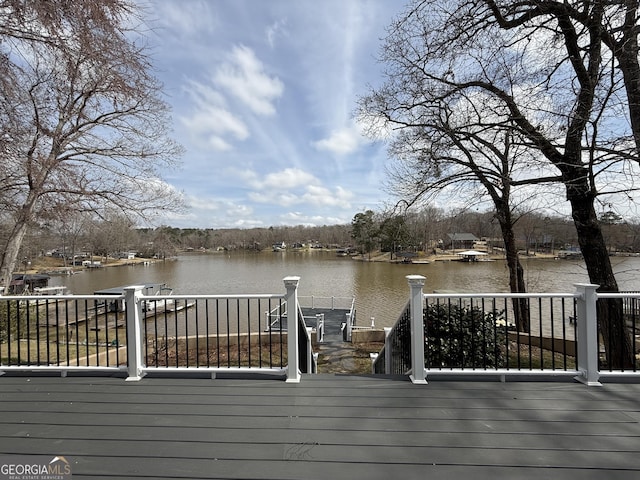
284 179
219 144
247 223
275 30
210 212
236 210
244 78
312 195
274 197
204 93
211 120
184 19
216 120
288 178
293 186
299 218
316 195
341 142
211 205
204 204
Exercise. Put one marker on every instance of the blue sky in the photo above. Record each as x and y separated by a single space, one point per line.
263 94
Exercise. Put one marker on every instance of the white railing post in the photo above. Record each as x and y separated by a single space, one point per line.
135 347
309 350
587 334
387 350
416 283
320 327
293 370
349 327
373 356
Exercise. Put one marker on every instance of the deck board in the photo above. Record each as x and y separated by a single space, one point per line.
327 426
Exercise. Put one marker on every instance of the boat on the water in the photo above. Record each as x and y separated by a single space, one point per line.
149 306
162 304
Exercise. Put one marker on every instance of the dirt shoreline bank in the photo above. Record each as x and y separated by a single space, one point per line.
55 266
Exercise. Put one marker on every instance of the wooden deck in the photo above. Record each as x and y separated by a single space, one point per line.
326 427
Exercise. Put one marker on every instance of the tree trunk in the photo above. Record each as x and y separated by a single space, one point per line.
627 55
10 255
615 335
516 273
520 305
631 73
14 242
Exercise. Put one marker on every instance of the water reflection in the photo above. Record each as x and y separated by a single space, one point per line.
380 289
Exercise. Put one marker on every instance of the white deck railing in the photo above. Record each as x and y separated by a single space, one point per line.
567 328
138 334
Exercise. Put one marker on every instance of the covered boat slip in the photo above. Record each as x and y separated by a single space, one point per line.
326 427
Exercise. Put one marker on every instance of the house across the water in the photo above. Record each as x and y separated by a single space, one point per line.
465 241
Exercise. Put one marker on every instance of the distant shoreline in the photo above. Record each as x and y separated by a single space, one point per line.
53 266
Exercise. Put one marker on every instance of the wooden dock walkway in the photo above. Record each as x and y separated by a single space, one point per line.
325 427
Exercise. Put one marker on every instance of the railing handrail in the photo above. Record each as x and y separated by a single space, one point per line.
307 355
530 295
406 307
64 297
304 299
501 295
264 296
335 297
387 348
241 296
618 294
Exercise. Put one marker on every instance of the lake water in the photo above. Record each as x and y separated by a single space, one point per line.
381 289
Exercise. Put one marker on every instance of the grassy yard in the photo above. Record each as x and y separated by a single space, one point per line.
52 346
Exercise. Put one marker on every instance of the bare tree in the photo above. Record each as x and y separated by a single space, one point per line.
70 227
615 23
84 127
457 144
547 82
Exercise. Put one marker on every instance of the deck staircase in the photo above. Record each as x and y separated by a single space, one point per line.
335 355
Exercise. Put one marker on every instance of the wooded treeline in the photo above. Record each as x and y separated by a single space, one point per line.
414 231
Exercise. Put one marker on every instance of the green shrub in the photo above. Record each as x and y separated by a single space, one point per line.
458 336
